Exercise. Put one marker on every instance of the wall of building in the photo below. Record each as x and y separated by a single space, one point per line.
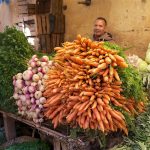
128 21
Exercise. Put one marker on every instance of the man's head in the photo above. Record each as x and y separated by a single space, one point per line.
100 26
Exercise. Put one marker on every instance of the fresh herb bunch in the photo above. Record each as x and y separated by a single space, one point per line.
132 83
14 54
139 136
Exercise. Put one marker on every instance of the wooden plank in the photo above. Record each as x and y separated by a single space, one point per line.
39 24
47 24
59 24
56 145
31 9
9 125
64 146
48 44
43 23
71 144
47 6
43 42
48 131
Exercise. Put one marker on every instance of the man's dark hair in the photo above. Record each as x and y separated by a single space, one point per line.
101 18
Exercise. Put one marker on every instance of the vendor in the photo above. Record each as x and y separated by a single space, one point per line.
99 30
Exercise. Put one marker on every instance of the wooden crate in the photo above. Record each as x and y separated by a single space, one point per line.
26 9
59 25
57 40
56 7
49 23
49 6
42 6
49 41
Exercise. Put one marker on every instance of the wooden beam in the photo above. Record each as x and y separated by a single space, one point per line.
9 125
65 142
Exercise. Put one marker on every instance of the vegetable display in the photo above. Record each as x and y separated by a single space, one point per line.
28 88
83 88
14 54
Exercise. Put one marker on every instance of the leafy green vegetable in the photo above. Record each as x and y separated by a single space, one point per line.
14 54
132 83
37 145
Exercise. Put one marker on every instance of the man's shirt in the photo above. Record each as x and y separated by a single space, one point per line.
105 37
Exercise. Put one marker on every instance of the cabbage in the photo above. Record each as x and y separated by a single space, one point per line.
147 58
148 68
142 65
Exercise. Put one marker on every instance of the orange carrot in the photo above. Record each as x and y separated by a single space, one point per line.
108 60
119 58
71 116
116 75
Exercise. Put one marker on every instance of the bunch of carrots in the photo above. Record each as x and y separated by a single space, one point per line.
83 87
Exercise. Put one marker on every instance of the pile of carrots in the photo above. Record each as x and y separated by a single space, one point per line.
83 87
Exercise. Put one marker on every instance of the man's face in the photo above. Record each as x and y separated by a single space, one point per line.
99 27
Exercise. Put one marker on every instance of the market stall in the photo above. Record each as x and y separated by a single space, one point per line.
78 94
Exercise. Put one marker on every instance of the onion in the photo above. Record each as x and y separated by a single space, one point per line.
25 90
40 106
16 96
43 64
28 102
39 69
35 78
24 108
31 95
39 82
42 100
38 94
45 59
19 76
50 63
19 103
19 84
27 75
14 77
29 68
38 63
27 96
20 92
38 102
22 97
16 90
33 100
22 113
41 88
27 83
33 64
45 76
31 89
35 115
36 59
34 70
34 84
34 56
45 69
40 74
37 110
14 82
